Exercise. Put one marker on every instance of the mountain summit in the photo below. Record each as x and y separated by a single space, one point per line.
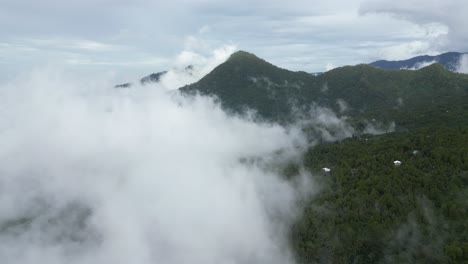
246 82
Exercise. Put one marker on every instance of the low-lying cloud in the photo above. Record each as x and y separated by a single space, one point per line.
90 174
463 64
444 20
191 66
420 65
323 124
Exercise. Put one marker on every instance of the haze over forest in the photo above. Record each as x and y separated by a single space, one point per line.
233 132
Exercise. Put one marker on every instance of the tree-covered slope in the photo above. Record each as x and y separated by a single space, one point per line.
245 82
361 92
371 211
368 209
410 98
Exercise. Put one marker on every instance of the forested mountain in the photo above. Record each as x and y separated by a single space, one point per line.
449 60
361 92
245 81
365 208
369 210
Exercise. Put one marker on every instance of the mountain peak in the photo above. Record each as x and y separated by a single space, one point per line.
248 63
241 53
242 56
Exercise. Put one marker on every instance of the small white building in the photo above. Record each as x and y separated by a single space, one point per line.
415 152
326 169
397 163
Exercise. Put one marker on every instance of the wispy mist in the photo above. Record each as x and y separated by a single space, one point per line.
190 66
421 65
463 64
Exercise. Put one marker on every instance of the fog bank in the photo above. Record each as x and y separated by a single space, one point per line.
90 174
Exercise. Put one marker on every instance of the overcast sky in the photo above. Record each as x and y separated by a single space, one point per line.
133 38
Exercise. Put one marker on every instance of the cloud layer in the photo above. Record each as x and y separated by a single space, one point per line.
97 175
190 67
134 38
447 18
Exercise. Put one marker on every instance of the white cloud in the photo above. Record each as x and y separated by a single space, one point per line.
434 14
406 50
163 176
420 65
199 66
299 35
66 44
343 106
463 64
329 66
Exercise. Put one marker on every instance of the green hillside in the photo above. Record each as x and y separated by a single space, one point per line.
371 211
368 209
248 82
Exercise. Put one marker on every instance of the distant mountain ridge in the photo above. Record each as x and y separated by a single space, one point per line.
156 77
449 60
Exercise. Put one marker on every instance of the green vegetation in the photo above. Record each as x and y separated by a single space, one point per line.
410 98
371 211
247 82
368 210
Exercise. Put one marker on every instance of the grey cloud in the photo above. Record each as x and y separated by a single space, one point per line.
450 13
299 35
